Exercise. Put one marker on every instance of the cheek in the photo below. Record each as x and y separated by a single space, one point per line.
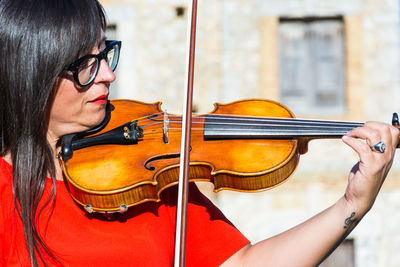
67 102
71 111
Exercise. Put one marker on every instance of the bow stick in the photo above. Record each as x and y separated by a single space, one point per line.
183 182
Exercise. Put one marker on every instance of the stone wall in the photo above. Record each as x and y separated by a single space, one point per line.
236 58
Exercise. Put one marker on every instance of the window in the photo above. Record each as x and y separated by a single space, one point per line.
312 65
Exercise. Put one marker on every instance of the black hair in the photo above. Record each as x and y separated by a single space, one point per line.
38 38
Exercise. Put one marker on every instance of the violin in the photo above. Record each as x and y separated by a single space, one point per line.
248 145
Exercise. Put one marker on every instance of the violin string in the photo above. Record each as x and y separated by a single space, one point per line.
151 124
285 120
160 116
270 125
149 117
223 117
258 121
272 122
254 125
261 129
158 130
266 132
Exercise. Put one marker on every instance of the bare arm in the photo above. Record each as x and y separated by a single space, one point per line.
310 242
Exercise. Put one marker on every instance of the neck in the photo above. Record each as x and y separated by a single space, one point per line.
59 172
226 127
53 141
7 158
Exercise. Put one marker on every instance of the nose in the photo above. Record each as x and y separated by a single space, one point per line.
105 74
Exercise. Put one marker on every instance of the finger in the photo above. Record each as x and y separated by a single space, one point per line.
395 133
389 135
362 140
387 131
369 134
372 166
360 147
376 132
379 147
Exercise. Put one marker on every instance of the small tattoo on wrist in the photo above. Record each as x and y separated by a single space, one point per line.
349 220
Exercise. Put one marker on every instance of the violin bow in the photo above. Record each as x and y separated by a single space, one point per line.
183 182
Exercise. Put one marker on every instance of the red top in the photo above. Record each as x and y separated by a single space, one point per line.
143 236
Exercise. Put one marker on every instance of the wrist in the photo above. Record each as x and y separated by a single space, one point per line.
352 212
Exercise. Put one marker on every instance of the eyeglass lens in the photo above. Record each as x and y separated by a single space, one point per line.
88 69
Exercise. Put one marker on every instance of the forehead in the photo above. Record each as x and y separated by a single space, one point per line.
102 38
100 44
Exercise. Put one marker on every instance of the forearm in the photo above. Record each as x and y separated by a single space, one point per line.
310 242
307 244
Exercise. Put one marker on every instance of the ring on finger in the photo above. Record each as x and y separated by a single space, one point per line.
379 147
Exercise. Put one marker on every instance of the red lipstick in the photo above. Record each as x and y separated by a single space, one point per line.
100 100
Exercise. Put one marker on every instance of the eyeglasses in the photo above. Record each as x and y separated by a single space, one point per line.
85 69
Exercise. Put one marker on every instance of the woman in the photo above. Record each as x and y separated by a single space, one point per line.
55 73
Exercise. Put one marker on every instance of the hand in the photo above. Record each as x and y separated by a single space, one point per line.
367 176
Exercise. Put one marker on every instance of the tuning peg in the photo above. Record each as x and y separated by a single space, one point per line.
395 119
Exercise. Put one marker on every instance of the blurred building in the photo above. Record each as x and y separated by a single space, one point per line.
324 59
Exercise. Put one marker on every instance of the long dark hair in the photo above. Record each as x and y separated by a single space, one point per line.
38 38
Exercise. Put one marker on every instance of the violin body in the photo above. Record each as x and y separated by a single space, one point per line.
113 177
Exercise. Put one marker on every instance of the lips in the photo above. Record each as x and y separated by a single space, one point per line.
100 100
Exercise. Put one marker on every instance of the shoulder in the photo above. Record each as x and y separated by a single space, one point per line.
5 174
6 202
6 192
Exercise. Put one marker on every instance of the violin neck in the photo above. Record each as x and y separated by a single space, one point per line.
227 127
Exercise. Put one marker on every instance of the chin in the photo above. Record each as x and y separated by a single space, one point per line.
97 118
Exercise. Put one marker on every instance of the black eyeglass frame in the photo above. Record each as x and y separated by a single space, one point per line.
74 66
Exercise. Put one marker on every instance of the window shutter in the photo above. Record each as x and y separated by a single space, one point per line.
312 68
328 63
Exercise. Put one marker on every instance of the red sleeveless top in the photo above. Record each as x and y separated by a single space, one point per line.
143 236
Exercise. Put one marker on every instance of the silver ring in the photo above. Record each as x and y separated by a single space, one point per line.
379 147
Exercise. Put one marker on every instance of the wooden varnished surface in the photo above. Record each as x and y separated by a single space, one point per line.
111 175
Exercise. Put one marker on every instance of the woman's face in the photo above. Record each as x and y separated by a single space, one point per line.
76 109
